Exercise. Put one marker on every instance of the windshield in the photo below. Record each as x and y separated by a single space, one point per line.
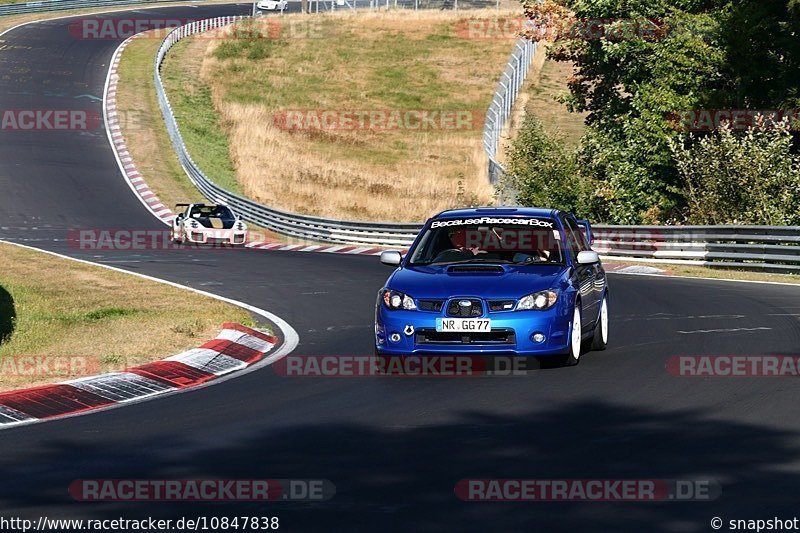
212 211
529 241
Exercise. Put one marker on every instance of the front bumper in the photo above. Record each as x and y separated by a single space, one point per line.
511 333
233 237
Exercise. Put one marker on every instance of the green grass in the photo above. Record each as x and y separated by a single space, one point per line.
53 307
395 71
543 103
392 74
146 135
200 124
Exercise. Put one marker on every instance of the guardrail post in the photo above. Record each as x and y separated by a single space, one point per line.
516 71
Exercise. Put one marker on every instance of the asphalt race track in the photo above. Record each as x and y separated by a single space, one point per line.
394 448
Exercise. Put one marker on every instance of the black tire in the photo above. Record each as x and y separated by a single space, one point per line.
572 357
600 335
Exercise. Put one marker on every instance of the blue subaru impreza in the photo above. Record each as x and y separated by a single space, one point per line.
521 281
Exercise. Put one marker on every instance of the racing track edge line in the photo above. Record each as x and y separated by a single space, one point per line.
289 338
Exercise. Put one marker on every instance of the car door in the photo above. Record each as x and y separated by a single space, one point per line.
586 275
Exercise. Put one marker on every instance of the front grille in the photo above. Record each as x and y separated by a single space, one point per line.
454 308
501 305
431 305
496 336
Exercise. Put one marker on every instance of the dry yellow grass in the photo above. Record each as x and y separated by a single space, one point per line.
99 319
364 61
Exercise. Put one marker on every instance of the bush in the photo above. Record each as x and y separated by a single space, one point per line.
542 172
735 178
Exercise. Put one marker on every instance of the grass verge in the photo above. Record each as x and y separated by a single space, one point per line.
145 133
542 102
412 61
690 271
99 319
201 126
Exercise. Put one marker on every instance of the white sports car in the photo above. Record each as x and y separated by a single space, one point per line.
208 224
272 5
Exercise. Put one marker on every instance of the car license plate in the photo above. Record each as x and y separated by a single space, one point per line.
460 325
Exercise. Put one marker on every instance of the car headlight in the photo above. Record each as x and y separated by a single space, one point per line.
398 300
538 300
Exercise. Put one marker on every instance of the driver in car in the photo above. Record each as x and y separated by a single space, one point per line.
459 239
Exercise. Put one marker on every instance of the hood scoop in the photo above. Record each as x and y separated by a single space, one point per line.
475 269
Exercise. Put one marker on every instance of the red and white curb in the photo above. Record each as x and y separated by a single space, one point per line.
124 159
234 349
328 249
621 268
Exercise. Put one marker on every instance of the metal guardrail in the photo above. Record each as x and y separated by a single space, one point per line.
503 101
57 5
291 224
770 248
310 227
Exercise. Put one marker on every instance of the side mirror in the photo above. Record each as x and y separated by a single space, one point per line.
587 258
391 258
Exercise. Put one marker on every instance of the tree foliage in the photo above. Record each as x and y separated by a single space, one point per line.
743 179
683 55
541 171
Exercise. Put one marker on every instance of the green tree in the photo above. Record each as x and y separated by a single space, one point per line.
740 179
682 55
542 172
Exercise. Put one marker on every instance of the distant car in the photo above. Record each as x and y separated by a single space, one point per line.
208 224
519 281
272 5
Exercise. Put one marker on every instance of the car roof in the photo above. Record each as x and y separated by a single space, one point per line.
497 212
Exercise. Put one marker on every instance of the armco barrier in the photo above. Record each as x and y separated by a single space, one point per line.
293 225
768 248
58 5
773 248
316 228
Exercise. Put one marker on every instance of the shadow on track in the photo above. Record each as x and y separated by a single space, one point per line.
8 315
402 478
